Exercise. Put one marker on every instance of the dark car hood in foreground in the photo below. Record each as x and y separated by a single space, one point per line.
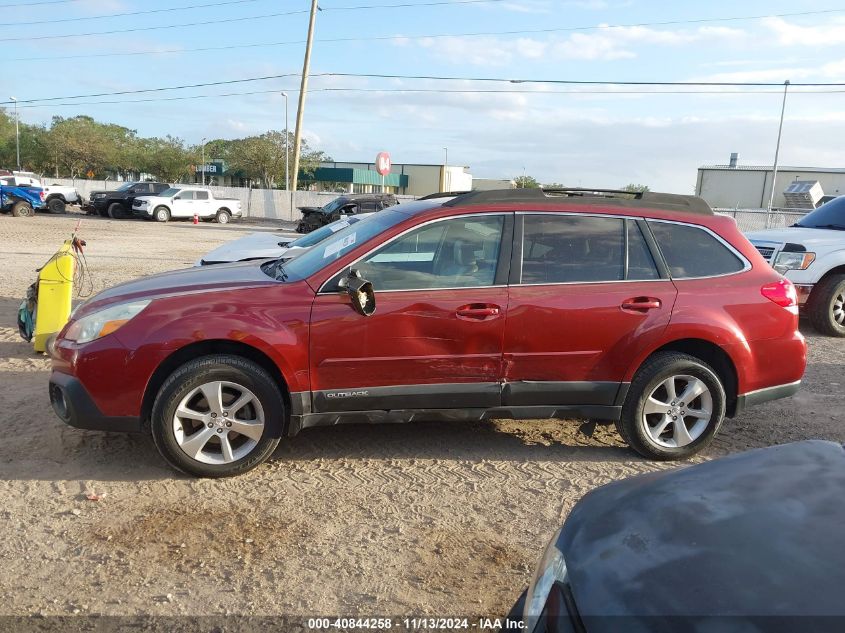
206 278
761 533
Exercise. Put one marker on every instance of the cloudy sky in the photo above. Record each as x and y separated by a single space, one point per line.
576 135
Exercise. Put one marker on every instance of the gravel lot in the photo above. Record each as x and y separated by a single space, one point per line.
426 519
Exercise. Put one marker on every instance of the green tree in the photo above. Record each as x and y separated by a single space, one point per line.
526 182
168 158
634 188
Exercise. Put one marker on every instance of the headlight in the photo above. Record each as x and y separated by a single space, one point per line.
99 195
552 569
793 261
98 324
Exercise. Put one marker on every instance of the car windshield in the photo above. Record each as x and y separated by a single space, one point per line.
324 232
125 186
169 193
334 205
830 215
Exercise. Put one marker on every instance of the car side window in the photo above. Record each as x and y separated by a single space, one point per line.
641 264
201 195
186 195
572 248
453 253
691 251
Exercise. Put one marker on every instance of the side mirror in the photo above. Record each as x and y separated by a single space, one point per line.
361 292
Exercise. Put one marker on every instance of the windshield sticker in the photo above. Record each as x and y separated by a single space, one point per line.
339 245
336 226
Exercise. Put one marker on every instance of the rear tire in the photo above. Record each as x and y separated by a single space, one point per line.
826 306
205 444
116 211
56 205
657 423
22 209
223 216
161 214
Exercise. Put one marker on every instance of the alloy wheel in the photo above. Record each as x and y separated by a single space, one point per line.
677 411
838 308
218 422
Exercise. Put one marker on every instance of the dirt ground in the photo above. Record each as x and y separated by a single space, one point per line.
427 519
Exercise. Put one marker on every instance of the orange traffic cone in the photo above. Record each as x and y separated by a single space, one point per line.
196 219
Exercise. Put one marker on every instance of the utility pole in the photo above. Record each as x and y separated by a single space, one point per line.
777 150
303 89
446 170
203 161
17 133
287 155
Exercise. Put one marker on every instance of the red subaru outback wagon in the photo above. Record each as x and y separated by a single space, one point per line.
647 310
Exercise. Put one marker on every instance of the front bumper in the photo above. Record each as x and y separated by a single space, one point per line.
74 406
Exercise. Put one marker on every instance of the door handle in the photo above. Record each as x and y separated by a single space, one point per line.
641 304
478 312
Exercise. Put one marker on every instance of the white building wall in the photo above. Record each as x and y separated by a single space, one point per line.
750 189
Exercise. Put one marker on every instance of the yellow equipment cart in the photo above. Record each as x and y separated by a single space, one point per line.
55 292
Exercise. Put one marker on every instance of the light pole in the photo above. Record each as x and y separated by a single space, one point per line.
777 151
203 161
446 169
287 154
17 133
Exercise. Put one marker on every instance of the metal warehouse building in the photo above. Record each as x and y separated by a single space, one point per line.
404 178
749 187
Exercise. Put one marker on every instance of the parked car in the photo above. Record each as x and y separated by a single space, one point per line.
747 542
56 197
344 206
21 201
647 310
117 204
811 254
270 244
185 201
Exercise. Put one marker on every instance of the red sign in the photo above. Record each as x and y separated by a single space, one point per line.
383 163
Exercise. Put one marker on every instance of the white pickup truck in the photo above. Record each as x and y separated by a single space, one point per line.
56 197
811 254
185 201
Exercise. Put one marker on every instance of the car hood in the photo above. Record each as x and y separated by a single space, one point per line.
180 282
753 534
95 192
252 246
311 209
799 235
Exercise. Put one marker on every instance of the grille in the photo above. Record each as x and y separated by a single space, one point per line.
766 252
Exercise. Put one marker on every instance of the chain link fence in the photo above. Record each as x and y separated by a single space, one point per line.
760 219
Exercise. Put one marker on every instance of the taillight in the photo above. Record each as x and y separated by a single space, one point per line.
781 292
42 195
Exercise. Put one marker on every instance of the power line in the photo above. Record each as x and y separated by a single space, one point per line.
499 91
161 89
404 5
31 4
584 82
564 82
128 13
373 38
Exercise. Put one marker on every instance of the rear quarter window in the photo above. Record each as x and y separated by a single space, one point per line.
691 251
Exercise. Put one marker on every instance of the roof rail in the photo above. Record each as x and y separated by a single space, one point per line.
603 197
443 194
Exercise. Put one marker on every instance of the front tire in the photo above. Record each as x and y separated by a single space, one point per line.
162 214
218 416
56 205
826 306
223 216
116 211
674 407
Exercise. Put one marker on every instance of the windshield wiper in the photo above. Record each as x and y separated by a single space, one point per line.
836 227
